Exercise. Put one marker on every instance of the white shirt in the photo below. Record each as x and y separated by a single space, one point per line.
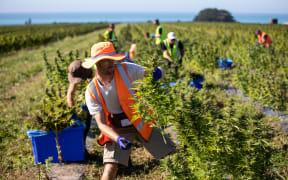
109 92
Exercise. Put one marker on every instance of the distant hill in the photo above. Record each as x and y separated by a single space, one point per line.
214 15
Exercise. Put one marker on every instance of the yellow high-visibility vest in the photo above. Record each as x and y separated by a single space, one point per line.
175 50
162 37
106 35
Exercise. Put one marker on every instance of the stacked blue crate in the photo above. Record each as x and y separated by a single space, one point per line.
71 142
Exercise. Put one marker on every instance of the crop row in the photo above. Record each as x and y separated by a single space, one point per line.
220 135
261 73
19 37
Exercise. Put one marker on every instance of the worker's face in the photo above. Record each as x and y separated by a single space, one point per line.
105 66
171 41
111 28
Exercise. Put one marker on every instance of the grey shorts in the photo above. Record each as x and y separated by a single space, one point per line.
156 146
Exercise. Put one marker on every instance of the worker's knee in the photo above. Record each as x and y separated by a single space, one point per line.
110 170
110 166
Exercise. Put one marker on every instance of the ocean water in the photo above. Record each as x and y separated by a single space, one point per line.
47 18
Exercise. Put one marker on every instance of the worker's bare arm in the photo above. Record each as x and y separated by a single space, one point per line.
168 57
70 94
104 128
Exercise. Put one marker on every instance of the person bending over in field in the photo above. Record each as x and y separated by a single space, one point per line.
173 49
109 97
264 38
76 75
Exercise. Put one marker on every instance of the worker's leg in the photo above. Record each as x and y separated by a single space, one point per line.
112 151
110 170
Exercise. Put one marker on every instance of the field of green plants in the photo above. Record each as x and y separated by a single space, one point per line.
19 37
222 134
223 130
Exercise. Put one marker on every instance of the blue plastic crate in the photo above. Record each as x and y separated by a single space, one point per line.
71 142
196 83
225 63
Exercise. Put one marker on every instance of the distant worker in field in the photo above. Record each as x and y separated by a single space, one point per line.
159 33
172 49
109 98
130 54
147 35
264 38
77 74
110 35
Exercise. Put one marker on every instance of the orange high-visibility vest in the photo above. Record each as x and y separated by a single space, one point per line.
126 98
262 41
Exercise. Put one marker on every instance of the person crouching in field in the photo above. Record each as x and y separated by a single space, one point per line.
109 97
172 49
264 38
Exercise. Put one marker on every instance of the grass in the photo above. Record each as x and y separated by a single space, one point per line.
29 62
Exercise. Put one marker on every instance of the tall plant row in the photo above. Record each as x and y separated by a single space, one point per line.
220 136
18 37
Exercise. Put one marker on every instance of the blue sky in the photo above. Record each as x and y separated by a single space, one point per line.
190 6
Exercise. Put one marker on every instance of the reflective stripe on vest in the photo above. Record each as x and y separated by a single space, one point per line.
128 84
102 139
127 99
125 94
162 37
93 91
173 54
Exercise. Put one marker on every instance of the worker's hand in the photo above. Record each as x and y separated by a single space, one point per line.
124 143
70 103
152 36
158 73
